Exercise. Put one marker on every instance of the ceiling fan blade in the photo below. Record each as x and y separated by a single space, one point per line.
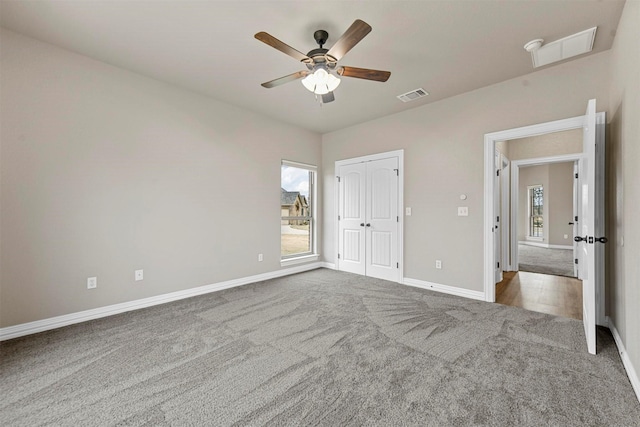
364 73
285 79
349 39
328 97
282 47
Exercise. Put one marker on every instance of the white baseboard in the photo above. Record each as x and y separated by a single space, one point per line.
451 290
545 245
97 313
628 366
328 265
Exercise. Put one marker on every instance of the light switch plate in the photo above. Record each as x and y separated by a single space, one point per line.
407 211
139 275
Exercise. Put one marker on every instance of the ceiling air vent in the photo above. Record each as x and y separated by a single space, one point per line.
568 47
413 95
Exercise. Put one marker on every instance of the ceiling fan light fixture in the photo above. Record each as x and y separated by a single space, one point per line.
321 82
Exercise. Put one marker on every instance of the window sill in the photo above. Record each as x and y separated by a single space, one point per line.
299 260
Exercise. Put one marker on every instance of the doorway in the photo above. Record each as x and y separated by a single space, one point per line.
538 223
591 182
369 220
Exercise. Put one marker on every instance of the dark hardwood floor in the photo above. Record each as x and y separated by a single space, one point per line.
558 295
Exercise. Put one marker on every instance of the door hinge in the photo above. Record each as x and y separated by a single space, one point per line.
498 172
575 218
498 218
576 260
338 256
497 264
397 172
576 175
397 219
397 265
338 217
338 178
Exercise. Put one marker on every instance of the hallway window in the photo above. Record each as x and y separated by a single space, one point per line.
296 209
536 204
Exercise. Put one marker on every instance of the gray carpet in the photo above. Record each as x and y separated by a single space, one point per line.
558 262
317 348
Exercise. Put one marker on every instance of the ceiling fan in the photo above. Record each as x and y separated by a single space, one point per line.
322 64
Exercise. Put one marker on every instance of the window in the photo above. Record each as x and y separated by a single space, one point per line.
536 204
296 209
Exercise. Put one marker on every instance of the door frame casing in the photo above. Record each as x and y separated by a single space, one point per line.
490 140
399 154
515 193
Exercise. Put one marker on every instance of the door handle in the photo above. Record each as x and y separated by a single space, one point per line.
570 223
362 224
368 225
580 239
601 239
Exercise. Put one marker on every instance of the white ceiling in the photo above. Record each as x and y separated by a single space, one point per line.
446 47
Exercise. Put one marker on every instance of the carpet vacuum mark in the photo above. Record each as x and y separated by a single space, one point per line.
317 348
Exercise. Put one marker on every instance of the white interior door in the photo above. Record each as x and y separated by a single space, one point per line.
577 261
368 218
382 219
352 218
587 226
497 232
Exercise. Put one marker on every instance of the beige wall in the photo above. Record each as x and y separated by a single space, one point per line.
557 181
560 203
547 145
443 144
105 171
623 189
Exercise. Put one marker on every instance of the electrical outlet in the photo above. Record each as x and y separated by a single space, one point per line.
92 282
463 211
260 258
566 236
139 275
438 264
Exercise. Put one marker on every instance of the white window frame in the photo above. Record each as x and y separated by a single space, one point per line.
312 254
530 188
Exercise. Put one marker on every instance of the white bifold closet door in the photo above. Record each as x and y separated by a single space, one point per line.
368 218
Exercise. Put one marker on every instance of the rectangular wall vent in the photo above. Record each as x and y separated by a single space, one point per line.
414 94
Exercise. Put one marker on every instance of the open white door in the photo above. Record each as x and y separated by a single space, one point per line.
577 261
587 176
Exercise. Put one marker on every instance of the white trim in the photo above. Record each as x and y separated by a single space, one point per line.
626 362
490 140
299 260
329 265
97 313
299 165
544 245
371 157
505 218
445 289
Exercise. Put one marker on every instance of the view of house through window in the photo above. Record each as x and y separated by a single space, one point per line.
536 203
296 199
